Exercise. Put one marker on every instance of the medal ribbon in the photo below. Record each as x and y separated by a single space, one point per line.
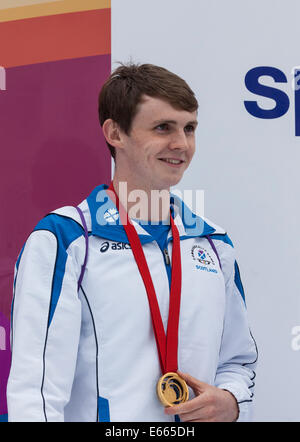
167 346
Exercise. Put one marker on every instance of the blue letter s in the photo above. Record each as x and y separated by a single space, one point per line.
280 97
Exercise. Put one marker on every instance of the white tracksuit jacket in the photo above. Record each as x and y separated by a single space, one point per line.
90 355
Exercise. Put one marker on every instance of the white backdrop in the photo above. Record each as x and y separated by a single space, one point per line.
247 166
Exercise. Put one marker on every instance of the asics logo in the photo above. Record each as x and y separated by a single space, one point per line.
113 246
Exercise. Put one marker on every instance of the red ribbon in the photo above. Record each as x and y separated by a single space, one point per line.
167 346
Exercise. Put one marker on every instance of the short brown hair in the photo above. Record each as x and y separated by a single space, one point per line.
123 90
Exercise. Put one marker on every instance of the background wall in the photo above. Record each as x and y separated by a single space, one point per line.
54 58
247 166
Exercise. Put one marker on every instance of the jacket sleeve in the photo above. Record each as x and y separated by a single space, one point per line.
238 353
45 324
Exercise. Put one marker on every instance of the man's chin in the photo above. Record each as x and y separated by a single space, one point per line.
172 181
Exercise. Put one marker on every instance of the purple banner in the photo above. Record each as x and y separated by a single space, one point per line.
52 154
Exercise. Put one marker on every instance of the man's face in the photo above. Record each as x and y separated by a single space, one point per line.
160 145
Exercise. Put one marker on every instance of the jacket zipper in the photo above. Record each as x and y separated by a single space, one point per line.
167 257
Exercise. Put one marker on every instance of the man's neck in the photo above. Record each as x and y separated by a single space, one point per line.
142 202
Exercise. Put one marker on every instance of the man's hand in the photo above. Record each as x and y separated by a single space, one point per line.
211 404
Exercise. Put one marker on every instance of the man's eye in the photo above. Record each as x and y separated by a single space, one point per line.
189 128
162 127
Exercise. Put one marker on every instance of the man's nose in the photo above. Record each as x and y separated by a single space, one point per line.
179 141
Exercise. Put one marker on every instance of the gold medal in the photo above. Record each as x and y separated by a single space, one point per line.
172 389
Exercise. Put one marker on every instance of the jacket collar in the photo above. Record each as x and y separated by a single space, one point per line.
106 221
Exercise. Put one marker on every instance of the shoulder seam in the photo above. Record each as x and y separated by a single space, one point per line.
67 217
222 237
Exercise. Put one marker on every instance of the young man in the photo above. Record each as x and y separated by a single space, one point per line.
159 295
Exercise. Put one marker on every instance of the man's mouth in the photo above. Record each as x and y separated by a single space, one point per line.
172 161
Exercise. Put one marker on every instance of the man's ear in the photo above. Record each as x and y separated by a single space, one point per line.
112 133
